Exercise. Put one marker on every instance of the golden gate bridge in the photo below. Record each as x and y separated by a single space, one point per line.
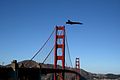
59 55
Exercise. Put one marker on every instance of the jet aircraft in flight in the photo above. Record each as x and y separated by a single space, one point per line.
71 22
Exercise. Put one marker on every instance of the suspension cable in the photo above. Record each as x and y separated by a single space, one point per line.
68 49
43 45
48 55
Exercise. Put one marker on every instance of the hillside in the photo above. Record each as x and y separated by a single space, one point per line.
84 74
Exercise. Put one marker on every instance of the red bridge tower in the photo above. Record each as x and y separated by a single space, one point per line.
77 66
59 50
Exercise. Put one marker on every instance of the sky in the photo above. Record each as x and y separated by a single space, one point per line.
26 24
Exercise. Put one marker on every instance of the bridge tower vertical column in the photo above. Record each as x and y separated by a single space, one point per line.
59 50
77 66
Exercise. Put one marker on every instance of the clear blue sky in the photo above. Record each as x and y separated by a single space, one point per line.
26 24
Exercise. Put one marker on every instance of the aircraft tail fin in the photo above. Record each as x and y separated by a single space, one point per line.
68 20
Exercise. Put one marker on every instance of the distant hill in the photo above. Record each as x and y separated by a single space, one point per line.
94 76
84 74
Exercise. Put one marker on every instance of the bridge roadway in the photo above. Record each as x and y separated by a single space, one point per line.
32 72
48 70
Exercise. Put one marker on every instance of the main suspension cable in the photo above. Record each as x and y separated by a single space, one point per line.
48 55
68 49
43 45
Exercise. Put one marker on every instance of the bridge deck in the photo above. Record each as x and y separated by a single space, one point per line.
33 72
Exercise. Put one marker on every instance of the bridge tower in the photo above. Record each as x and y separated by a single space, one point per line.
77 66
59 50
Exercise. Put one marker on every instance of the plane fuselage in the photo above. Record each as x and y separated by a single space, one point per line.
71 22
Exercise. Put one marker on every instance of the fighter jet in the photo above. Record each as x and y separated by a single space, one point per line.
71 22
